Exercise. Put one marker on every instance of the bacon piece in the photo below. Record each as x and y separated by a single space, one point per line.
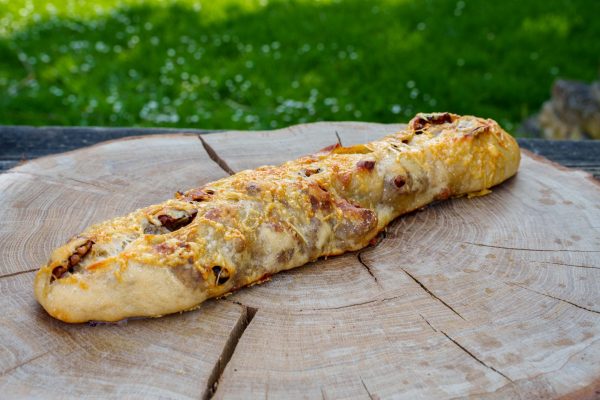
198 194
367 165
173 224
420 122
311 171
72 261
399 181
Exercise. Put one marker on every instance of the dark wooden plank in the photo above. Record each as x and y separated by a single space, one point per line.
583 154
22 143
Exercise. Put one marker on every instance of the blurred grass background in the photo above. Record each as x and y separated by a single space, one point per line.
258 64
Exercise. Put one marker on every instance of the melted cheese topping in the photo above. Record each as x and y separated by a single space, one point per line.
241 229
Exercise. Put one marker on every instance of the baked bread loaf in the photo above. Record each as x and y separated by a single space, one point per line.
240 230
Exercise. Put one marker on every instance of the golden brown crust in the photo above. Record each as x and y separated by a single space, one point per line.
239 230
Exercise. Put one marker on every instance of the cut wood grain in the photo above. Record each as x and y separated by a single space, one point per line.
147 169
170 357
491 297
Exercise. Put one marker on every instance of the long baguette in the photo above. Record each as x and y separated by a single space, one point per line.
240 230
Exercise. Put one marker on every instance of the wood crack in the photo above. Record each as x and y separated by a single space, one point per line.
215 157
362 303
427 322
473 356
570 265
19 365
350 305
364 264
377 241
233 301
235 335
18 273
337 135
325 308
527 249
366 388
553 297
380 300
433 294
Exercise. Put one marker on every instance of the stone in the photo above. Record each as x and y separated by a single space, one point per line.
573 112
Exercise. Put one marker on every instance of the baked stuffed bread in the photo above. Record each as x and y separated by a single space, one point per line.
240 230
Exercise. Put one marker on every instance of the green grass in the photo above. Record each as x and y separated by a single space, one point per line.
265 64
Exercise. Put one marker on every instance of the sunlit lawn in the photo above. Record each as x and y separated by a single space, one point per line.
257 64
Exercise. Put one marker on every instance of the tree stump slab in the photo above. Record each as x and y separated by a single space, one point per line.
490 297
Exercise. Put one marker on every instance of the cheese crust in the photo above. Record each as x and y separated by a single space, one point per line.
240 230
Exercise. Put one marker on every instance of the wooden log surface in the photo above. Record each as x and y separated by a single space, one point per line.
490 297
